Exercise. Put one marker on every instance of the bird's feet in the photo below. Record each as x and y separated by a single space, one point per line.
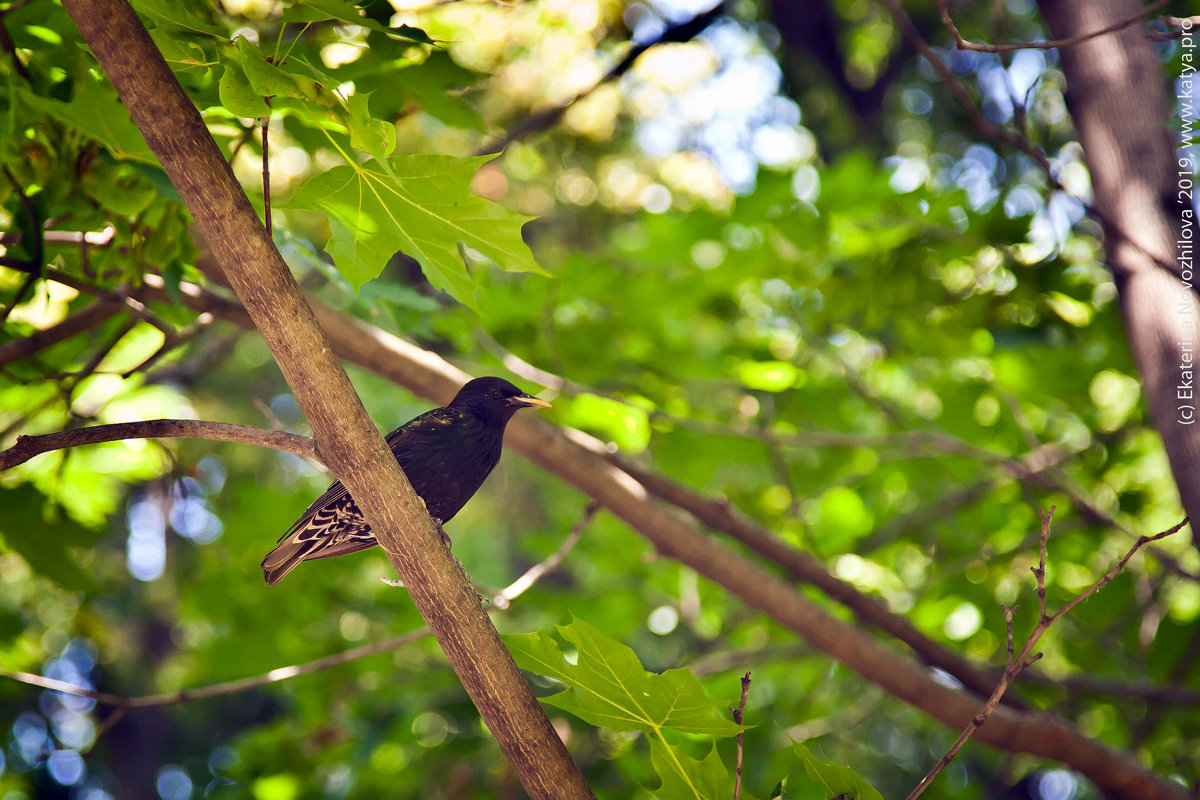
445 538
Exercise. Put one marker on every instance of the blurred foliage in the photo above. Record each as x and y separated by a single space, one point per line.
770 250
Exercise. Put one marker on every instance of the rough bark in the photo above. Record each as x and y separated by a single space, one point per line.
347 441
1117 96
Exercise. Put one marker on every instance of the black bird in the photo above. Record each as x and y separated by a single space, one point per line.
446 453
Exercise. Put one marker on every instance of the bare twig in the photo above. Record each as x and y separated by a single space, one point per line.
123 704
102 238
266 174
503 598
1009 138
981 47
1017 663
543 119
1162 693
27 447
960 94
737 717
171 342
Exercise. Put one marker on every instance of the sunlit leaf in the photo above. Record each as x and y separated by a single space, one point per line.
608 686
425 212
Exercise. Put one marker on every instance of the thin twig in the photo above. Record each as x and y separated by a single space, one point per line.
503 598
172 342
737 717
102 238
27 447
119 295
1017 663
543 119
123 704
266 175
1009 138
982 47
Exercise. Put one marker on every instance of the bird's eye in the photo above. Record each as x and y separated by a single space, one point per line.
496 393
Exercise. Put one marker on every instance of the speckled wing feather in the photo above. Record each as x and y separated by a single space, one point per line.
333 525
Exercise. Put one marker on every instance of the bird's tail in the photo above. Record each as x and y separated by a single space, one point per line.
290 551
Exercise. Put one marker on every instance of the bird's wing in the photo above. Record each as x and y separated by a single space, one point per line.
330 528
399 439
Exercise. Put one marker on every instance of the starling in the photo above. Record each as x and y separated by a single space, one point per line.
446 453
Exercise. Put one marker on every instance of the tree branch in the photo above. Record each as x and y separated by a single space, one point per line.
801 566
346 439
981 47
82 320
547 117
216 689
27 447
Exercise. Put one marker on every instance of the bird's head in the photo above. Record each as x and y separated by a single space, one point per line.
494 399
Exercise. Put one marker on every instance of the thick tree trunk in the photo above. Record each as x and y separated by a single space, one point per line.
1116 94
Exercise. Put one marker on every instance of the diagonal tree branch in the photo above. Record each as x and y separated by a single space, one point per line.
346 439
82 320
804 567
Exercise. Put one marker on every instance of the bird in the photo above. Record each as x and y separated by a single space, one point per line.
446 454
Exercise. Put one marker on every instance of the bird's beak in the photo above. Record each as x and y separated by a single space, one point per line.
528 400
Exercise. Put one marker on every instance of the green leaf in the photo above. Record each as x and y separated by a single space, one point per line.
608 686
172 274
833 779
239 96
431 86
685 778
118 187
426 210
174 14
294 84
317 10
375 136
95 110
627 425
42 538
266 79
